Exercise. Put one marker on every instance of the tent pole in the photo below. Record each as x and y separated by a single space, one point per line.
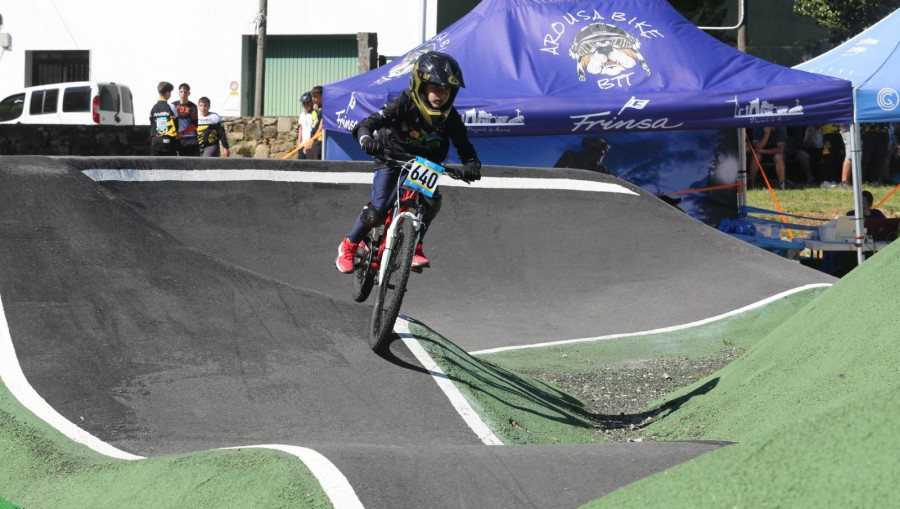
742 172
856 150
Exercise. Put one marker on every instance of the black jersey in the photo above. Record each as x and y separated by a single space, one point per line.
162 120
210 131
404 132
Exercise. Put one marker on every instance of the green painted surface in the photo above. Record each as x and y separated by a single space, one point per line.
814 406
42 468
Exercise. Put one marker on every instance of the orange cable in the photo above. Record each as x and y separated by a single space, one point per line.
703 189
894 190
768 185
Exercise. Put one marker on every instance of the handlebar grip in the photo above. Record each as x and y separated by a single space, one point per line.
452 173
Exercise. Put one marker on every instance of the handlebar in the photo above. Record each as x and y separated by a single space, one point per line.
402 163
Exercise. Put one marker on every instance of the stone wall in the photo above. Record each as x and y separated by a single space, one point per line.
257 137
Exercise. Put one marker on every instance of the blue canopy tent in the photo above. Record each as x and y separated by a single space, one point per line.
871 61
537 67
580 68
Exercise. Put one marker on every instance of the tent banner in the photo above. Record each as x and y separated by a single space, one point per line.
534 68
696 171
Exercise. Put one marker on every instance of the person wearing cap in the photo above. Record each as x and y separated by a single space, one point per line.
313 146
304 123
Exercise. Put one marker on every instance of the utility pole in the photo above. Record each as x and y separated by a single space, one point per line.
742 28
260 58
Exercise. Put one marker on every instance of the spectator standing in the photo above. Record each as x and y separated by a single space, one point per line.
832 155
847 166
799 154
304 123
210 131
813 143
875 153
186 113
313 146
163 130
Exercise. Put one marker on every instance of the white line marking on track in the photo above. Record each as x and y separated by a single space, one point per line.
459 402
333 482
324 177
336 486
657 331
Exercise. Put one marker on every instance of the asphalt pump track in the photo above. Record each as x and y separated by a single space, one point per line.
171 305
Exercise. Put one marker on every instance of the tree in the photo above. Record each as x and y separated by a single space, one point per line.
843 18
706 13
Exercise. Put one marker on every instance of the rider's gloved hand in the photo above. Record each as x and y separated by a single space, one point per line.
372 146
471 171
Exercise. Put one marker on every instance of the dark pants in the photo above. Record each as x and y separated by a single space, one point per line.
315 150
384 193
189 147
875 156
160 146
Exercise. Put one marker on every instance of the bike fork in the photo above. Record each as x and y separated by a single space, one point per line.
390 241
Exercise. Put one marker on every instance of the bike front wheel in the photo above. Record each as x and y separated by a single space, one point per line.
389 295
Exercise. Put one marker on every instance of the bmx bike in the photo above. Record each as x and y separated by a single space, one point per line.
384 259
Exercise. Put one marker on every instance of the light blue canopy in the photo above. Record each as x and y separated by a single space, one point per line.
550 67
871 61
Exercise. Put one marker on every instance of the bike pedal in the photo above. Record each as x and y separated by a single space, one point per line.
417 270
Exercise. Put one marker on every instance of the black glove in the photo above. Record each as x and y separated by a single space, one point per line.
372 146
471 171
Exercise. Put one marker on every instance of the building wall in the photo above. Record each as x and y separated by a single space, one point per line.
141 43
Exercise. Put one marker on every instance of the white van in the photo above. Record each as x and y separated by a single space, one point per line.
82 103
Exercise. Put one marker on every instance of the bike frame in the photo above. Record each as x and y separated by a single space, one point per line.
398 214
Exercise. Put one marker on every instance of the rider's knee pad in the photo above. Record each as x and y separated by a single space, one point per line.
433 206
371 217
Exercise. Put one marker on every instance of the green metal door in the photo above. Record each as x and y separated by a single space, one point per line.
295 64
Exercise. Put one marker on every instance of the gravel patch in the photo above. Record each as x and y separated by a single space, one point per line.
617 397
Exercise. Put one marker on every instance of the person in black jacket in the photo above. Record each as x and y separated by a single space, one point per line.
422 122
163 130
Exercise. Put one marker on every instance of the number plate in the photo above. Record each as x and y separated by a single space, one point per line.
424 176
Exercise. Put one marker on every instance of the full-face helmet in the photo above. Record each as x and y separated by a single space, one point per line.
439 69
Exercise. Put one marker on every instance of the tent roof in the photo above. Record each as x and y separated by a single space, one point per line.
871 61
536 67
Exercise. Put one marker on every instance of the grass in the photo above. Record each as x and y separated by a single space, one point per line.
826 203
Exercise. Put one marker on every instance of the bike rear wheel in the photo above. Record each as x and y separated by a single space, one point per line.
389 295
363 275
